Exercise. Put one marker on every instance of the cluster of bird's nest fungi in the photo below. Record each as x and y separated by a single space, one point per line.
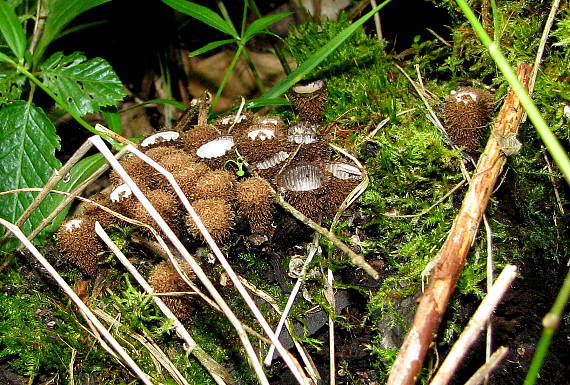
294 161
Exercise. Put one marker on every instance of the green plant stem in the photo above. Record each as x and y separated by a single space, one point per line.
550 141
497 20
227 75
550 322
278 51
256 76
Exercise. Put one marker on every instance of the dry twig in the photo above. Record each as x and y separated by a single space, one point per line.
216 370
475 326
434 302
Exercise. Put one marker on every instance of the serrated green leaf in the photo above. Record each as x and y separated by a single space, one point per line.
86 85
211 46
59 14
28 142
205 15
260 25
12 30
11 86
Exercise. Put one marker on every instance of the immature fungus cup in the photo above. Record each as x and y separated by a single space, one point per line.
138 170
344 178
214 184
96 213
305 186
164 202
165 279
254 200
466 113
309 100
307 143
216 214
78 240
198 135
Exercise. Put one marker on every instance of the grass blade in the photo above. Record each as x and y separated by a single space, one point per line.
205 15
210 46
314 60
260 24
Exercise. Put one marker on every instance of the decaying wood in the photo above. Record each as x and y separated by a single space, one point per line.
433 302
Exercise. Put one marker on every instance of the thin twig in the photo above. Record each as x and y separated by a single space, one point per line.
542 45
373 133
70 197
476 324
158 357
77 301
424 212
439 37
313 250
216 370
484 371
373 4
331 299
356 259
490 279
309 365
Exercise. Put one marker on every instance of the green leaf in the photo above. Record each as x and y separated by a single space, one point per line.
262 102
12 30
205 15
59 14
28 142
86 85
260 25
112 118
314 60
211 46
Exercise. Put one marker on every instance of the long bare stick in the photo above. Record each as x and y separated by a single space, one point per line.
475 326
75 193
434 302
98 142
77 301
216 370
291 299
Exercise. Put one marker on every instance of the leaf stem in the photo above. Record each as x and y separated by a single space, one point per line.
550 141
278 50
227 75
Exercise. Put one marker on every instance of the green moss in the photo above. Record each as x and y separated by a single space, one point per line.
38 332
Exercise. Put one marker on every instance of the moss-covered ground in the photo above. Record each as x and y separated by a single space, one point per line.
411 167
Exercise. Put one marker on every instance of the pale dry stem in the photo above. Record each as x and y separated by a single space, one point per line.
215 369
78 302
476 324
